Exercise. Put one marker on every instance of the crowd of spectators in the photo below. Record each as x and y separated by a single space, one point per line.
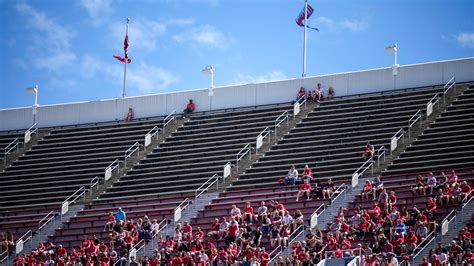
459 252
123 235
316 95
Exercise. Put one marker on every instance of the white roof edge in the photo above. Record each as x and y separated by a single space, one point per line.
235 85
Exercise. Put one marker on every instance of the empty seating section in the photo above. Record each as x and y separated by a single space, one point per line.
197 151
6 139
448 142
331 139
58 165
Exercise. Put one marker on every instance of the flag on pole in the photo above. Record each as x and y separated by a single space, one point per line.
125 50
300 18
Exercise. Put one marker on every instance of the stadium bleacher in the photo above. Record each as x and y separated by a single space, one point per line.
332 138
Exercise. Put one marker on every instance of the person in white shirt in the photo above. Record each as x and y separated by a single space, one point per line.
235 213
290 179
431 181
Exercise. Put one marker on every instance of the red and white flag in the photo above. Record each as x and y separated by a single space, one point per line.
125 50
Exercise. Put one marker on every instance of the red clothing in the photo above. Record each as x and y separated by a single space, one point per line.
305 187
368 187
248 209
233 230
191 106
60 252
364 226
466 189
431 205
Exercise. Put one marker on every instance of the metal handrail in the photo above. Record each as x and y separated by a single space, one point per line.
400 133
26 236
450 84
80 192
197 194
272 258
128 153
431 237
265 133
292 238
380 153
168 119
153 132
417 116
160 229
114 165
242 153
94 183
434 100
317 209
369 163
43 222
14 144
342 190
303 102
280 119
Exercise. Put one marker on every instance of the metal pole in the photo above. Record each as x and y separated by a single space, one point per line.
125 67
305 32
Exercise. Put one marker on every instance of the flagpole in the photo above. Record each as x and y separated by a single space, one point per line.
305 31
125 67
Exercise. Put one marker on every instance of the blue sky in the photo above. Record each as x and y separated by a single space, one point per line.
66 47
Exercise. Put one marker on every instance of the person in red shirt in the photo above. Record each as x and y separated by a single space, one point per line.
367 190
190 107
301 95
375 210
364 227
307 174
453 178
130 115
109 225
232 232
304 189
447 193
60 251
368 151
248 213
465 192
431 205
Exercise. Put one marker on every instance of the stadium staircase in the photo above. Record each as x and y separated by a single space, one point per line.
12 144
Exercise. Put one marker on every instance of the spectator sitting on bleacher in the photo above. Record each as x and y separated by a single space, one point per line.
109 225
307 175
331 93
305 189
236 213
249 214
318 93
190 107
377 186
453 178
420 185
369 151
130 115
367 190
262 212
431 205
431 182
120 215
301 95
317 191
466 191
328 189
290 179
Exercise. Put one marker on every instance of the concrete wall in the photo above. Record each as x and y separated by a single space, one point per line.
410 76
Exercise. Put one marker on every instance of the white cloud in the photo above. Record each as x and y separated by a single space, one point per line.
325 23
465 39
143 34
270 76
204 35
181 22
50 43
141 77
98 10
